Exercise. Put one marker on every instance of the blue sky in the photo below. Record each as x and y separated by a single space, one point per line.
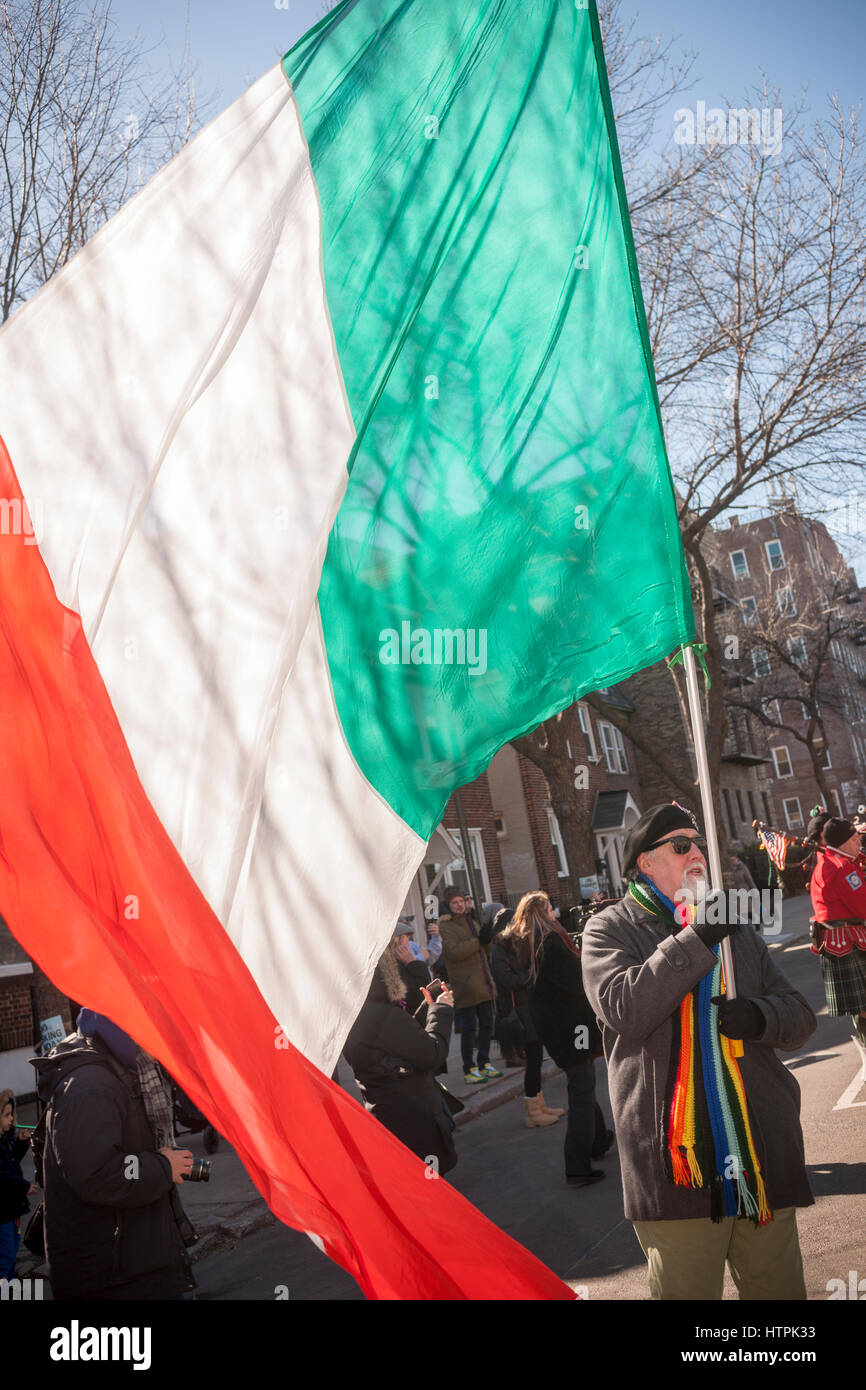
798 45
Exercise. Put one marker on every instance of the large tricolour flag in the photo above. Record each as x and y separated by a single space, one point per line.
334 462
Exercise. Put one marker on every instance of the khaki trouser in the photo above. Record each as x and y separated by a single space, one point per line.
686 1259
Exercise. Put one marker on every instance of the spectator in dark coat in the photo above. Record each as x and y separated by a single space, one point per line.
568 1029
510 965
395 1058
14 1187
114 1227
557 1008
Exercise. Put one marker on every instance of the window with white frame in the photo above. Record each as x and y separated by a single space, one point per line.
775 555
456 873
749 609
782 762
558 846
785 600
772 710
761 661
797 648
840 811
614 748
793 812
826 757
739 564
588 732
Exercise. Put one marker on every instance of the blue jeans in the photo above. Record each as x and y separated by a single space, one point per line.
10 1239
477 1019
580 1124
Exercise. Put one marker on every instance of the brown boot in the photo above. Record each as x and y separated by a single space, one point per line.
536 1114
550 1109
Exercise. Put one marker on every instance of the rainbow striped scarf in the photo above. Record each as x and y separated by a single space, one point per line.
706 1139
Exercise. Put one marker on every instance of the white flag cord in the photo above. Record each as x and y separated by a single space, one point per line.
716 879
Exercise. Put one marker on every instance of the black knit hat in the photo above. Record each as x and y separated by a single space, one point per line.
654 825
453 893
837 832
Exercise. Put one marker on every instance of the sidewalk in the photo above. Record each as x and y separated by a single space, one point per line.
795 923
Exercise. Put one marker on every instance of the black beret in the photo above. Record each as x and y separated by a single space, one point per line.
837 832
654 825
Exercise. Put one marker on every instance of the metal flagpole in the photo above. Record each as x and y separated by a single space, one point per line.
716 879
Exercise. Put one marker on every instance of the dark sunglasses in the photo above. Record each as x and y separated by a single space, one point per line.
682 843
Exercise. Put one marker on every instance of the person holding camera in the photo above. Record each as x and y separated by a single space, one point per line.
395 1056
113 1224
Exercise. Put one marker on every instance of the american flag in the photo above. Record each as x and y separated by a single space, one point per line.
776 844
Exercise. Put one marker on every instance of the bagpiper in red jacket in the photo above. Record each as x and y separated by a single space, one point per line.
838 891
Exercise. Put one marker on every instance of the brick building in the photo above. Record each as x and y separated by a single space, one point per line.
516 840
784 575
787 561
27 997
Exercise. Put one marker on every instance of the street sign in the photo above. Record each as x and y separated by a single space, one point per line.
52 1031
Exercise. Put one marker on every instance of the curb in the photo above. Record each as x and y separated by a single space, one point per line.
227 1234
501 1094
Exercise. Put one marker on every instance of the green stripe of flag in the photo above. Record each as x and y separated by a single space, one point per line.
510 504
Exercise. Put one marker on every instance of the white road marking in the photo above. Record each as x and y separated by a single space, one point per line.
846 1101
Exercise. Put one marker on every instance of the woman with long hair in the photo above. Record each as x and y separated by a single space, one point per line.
566 1026
513 964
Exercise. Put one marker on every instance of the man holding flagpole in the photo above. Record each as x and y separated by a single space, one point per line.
710 1141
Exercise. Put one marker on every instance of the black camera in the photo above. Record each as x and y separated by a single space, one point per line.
200 1171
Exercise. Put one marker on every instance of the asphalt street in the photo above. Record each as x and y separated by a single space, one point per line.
516 1177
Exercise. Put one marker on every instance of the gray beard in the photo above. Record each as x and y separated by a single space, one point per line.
694 889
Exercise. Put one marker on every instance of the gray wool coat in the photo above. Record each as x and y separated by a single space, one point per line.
636 972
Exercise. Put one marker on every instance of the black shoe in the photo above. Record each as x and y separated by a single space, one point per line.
599 1150
586 1179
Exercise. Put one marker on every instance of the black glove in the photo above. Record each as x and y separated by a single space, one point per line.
739 1018
712 933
